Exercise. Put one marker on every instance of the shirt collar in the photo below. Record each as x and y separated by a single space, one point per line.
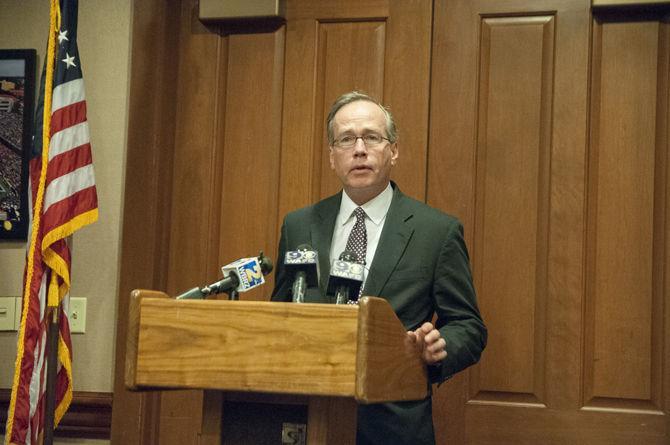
375 209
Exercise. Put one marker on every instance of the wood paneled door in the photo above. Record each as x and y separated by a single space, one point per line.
556 163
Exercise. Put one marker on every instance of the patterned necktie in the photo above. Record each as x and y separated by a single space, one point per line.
358 238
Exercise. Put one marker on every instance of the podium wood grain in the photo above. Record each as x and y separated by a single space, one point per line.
268 347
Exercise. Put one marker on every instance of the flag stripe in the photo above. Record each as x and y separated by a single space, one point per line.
68 93
68 139
27 396
61 213
67 185
65 162
68 116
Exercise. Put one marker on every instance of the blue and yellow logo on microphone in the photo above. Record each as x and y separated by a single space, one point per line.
251 275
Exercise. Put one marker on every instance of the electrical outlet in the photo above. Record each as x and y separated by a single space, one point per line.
77 317
7 313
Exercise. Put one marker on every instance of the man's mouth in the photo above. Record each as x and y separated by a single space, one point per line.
360 168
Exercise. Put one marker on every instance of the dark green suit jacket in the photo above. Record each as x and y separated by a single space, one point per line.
421 267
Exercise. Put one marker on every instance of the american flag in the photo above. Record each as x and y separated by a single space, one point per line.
63 199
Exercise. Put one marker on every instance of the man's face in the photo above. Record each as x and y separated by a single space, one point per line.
364 171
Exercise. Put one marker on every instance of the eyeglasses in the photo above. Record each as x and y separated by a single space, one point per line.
369 140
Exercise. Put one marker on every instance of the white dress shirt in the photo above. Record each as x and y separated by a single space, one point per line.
375 216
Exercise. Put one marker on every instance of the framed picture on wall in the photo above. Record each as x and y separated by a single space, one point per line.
17 98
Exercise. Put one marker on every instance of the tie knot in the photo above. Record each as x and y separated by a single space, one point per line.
359 213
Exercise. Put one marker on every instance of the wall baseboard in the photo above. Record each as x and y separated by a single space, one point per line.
89 415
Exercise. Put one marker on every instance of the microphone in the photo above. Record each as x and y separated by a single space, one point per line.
346 278
303 263
239 276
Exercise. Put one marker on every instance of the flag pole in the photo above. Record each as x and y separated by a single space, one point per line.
52 366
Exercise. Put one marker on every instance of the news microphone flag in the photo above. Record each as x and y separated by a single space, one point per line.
63 200
347 270
307 260
345 273
248 271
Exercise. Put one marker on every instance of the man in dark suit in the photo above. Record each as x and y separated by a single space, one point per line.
414 256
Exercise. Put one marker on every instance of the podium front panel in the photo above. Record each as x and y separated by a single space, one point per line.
247 346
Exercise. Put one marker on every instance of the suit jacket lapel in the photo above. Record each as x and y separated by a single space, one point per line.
321 232
397 232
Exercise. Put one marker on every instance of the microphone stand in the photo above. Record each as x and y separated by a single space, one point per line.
198 293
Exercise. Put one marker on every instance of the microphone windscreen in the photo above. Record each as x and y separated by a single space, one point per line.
304 259
344 272
266 264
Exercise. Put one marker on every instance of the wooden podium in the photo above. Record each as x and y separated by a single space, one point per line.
328 357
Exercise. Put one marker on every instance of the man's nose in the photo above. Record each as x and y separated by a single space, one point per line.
359 147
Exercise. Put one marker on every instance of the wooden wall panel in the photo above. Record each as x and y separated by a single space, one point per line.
507 141
627 225
530 426
406 90
249 144
145 234
512 168
564 366
299 148
661 290
192 257
350 57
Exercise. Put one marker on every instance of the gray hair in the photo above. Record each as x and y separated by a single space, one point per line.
354 96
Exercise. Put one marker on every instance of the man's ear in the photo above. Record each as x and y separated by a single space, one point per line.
332 157
395 153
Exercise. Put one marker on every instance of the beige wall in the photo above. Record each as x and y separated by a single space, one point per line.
104 42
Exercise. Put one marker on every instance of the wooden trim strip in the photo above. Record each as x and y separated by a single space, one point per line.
89 415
